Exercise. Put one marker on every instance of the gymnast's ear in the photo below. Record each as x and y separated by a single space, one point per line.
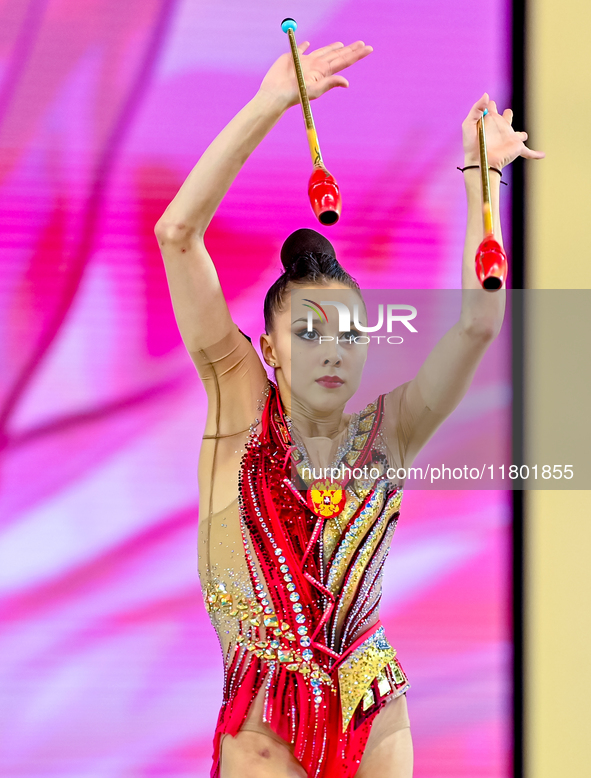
268 350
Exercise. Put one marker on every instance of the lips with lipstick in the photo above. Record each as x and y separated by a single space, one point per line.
330 381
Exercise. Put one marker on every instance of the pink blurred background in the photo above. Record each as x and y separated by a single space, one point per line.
109 667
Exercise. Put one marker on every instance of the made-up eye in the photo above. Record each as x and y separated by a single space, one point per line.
308 334
349 336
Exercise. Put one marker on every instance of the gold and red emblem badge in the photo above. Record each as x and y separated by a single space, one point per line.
326 498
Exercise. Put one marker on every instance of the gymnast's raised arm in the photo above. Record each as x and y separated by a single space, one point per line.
199 305
414 410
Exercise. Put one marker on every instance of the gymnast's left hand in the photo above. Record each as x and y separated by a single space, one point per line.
320 69
503 143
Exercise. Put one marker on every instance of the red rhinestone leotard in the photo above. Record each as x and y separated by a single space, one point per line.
303 632
293 595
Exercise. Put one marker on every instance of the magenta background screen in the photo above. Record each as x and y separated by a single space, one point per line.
109 667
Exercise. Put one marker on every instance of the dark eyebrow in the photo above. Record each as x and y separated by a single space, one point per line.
314 318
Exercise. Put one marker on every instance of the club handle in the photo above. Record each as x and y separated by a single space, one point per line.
305 103
486 206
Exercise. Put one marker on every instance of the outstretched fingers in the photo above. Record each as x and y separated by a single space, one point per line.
528 153
532 154
326 49
509 142
342 58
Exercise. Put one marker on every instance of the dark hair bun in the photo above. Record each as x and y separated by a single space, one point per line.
302 241
308 258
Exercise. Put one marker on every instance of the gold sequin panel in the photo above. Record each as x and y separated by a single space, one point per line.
370 591
358 530
354 535
355 574
262 633
333 529
357 673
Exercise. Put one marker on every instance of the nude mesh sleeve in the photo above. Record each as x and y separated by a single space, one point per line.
233 377
235 381
408 424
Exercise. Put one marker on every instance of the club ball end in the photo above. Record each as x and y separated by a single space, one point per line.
289 24
492 284
328 217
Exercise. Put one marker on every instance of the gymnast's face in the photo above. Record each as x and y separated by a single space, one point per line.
318 365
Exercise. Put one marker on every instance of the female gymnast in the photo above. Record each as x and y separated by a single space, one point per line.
291 574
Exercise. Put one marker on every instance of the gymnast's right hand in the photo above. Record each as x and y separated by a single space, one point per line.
319 68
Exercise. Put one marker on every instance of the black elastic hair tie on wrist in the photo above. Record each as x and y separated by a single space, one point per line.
477 167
